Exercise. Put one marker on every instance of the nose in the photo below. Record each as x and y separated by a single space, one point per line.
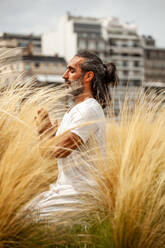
65 75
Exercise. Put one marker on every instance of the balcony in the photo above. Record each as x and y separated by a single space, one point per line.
126 50
130 68
123 36
131 76
120 57
9 43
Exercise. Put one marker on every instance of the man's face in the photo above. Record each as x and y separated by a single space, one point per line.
73 76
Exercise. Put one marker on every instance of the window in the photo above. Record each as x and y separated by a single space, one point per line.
125 73
136 55
27 67
81 34
101 45
136 83
22 44
135 45
92 45
37 64
124 45
125 63
46 66
137 73
125 54
82 44
136 63
112 43
124 82
93 35
18 67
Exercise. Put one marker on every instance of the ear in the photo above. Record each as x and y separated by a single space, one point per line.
88 76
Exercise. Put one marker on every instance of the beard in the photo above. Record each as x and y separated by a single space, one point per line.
75 88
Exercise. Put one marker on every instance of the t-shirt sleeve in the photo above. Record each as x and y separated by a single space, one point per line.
84 123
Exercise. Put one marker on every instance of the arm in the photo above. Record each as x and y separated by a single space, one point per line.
82 126
44 126
63 146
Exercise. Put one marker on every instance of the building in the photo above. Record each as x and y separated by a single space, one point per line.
154 62
45 69
148 41
74 34
125 49
25 41
107 37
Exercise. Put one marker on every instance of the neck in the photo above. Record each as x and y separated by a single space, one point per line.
82 97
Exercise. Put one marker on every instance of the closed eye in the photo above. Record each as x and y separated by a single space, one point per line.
72 70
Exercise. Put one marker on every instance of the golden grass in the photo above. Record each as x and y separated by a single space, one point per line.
24 173
131 177
132 180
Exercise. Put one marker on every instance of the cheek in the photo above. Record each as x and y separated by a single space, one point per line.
73 77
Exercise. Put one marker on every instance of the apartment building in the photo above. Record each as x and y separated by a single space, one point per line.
45 69
24 41
154 62
125 49
107 37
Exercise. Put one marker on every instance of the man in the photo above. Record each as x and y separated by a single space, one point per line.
88 80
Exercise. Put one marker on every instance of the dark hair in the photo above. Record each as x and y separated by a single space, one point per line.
104 75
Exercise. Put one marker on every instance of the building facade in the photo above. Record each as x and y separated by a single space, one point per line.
108 38
24 41
125 49
154 62
45 69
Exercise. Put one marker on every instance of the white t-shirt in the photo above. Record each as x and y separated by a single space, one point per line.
74 176
86 119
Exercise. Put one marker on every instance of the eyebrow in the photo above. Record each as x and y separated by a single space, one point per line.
70 67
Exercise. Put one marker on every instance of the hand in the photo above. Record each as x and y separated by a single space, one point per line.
44 125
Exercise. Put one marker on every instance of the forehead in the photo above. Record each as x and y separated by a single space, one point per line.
76 61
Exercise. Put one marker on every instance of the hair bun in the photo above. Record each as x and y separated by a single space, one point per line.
111 76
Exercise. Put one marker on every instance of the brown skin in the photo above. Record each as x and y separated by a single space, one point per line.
69 141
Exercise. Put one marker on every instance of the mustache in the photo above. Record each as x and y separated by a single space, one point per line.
68 81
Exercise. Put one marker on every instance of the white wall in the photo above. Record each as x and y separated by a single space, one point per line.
70 41
49 43
62 42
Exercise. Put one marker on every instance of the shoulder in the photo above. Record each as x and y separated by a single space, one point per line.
89 108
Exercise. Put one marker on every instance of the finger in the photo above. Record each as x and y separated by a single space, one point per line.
55 123
36 121
40 110
43 114
44 128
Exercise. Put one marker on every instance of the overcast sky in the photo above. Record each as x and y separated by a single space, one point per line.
37 16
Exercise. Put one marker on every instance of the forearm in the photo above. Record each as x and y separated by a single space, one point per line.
60 147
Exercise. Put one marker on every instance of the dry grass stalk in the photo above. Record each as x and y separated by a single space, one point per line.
131 178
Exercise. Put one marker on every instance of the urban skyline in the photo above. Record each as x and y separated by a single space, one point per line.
41 16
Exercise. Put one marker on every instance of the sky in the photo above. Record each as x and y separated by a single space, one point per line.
38 16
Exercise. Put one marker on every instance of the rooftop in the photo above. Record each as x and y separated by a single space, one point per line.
44 58
20 36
